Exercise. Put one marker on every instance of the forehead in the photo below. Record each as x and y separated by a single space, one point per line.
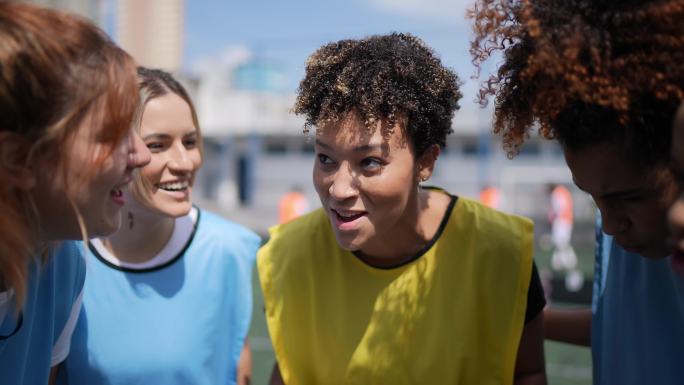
166 113
352 132
604 168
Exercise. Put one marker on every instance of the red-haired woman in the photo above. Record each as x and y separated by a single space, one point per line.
68 96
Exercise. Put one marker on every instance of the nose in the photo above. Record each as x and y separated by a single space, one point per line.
138 153
179 160
343 184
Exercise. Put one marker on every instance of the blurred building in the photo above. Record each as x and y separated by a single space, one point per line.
92 9
152 31
255 148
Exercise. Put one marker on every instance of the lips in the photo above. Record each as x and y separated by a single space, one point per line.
174 186
117 196
345 220
348 216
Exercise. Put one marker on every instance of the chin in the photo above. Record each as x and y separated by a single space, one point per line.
654 253
106 227
177 210
347 244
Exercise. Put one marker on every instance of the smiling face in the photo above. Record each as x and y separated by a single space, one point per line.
633 201
93 179
367 183
676 213
168 130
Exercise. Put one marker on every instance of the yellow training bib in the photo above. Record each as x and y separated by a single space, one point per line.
454 315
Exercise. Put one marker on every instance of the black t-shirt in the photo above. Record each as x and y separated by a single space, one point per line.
535 296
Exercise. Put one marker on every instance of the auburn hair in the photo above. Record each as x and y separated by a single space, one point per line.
583 71
56 69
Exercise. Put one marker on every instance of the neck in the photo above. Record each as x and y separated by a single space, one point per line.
141 237
412 232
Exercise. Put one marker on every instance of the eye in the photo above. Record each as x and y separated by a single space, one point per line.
324 159
633 198
155 146
372 163
190 143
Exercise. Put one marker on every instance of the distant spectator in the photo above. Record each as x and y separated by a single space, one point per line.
490 196
292 205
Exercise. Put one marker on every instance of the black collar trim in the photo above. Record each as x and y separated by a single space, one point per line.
424 249
154 268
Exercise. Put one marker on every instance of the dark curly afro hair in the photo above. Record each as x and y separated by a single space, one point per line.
584 71
384 77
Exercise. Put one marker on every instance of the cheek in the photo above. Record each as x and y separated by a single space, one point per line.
654 219
390 193
321 182
676 214
196 158
154 170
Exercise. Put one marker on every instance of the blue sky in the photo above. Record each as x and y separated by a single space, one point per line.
287 31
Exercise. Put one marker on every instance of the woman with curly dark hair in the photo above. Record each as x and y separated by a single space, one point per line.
604 78
392 282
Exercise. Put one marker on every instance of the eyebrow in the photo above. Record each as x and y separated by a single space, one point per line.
617 194
162 136
362 148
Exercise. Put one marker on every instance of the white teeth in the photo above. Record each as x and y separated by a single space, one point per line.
175 186
347 215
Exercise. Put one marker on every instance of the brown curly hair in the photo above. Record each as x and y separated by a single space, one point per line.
381 77
583 71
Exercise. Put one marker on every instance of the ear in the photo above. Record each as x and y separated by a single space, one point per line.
426 162
13 168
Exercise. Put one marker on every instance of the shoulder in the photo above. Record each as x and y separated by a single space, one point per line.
299 239
488 219
494 234
67 260
301 230
218 228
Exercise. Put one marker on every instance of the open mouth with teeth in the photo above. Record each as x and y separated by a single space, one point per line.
348 217
116 196
175 186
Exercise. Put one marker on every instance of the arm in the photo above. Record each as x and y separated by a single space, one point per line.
529 364
569 326
276 379
244 369
52 380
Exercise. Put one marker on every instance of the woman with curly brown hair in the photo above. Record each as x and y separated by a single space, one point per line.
392 282
604 78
